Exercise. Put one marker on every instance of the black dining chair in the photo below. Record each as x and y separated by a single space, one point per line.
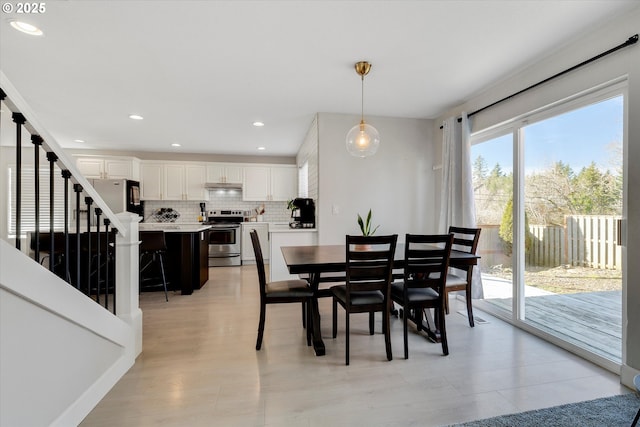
464 240
280 292
426 259
367 288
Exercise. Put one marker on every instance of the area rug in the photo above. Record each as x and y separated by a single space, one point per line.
605 412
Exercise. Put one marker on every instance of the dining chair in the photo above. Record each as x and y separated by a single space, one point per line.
283 291
369 261
426 259
459 278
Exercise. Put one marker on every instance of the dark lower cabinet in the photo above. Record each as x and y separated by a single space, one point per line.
187 254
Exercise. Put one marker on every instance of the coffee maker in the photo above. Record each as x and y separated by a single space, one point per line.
304 213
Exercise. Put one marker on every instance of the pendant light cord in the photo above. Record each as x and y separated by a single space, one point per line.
362 100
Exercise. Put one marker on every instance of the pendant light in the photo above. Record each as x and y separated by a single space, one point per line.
363 139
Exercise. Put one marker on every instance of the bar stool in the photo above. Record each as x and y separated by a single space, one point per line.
153 244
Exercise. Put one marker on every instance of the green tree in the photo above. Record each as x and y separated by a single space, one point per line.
506 229
596 192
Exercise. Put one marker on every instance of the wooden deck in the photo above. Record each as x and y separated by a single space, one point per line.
590 320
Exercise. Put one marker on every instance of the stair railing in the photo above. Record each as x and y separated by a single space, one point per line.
100 258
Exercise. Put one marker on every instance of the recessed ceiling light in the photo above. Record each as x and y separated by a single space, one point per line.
258 124
135 117
262 148
78 140
26 28
175 144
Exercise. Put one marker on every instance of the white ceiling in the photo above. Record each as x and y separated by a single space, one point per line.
200 72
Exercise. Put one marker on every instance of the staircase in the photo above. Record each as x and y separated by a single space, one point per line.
70 323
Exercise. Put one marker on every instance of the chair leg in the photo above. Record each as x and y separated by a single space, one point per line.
469 309
635 420
387 333
164 279
261 325
308 320
443 332
304 314
406 336
446 302
346 345
335 318
372 322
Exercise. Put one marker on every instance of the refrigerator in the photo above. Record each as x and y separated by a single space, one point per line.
121 195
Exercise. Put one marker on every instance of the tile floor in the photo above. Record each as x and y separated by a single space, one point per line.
199 367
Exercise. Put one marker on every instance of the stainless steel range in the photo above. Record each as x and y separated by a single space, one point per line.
225 237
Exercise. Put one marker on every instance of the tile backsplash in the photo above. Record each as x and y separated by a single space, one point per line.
218 199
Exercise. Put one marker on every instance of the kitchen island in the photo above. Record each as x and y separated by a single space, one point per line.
187 254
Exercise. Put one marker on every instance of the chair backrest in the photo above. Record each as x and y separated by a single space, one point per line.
369 263
465 239
152 240
427 261
257 250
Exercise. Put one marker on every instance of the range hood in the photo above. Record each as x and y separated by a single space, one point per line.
222 185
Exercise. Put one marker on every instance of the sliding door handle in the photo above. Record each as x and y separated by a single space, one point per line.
619 232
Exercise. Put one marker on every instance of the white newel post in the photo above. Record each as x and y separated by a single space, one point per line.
127 276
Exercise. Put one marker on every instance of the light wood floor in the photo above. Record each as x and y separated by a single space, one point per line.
199 367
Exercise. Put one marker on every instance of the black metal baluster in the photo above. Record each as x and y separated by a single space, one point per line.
52 158
37 142
78 189
19 120
107 222
66 175
98 250
88 201
115 232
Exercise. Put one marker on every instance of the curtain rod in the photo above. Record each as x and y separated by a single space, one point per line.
630 41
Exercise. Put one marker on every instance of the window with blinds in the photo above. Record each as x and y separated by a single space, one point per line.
28 211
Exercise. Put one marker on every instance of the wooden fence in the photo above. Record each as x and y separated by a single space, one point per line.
584 240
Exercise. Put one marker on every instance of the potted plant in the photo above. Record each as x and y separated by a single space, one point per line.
365 226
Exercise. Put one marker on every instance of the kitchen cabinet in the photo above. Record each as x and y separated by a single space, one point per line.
247 247
270 183
225 173
173 181
102 167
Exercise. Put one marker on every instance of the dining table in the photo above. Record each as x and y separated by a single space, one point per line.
324 263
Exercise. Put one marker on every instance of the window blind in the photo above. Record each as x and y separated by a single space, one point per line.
28 202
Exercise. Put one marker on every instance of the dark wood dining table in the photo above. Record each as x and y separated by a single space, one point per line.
321 262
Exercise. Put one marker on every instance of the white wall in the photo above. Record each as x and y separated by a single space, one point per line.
60 352
397 183
622 63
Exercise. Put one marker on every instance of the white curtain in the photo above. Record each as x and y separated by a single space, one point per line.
457 206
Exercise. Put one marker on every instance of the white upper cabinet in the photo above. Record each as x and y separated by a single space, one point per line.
94 167
270 183
173 181
194 177
151 181
284 183
226 173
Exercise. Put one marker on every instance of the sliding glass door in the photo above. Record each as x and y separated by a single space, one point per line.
559 174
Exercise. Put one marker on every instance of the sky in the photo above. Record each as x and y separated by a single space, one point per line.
577 138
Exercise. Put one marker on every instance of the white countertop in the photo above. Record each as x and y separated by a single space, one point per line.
287 229
173 227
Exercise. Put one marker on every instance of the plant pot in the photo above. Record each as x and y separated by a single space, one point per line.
362 248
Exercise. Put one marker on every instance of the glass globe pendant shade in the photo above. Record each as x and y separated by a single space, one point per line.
363 140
